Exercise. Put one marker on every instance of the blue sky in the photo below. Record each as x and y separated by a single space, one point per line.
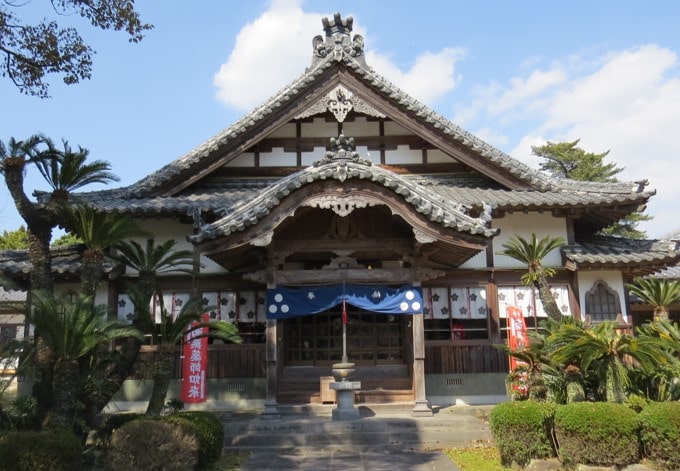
515 73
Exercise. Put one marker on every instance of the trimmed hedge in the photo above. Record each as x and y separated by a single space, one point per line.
153 444
660 433
521 431
53 450
597 433
207 428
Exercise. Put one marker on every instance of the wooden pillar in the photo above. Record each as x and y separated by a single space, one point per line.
271 410
421 408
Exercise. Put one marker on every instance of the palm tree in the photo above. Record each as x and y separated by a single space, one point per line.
607 352
658 293
153 260
99 231
543 375
661 383
39 220
149 261
532 253
42 217
171 332
72 331
67 170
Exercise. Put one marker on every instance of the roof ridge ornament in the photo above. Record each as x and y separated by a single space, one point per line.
338 42
340 101
343 150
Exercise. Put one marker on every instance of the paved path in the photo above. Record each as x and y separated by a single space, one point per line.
384 438
341 460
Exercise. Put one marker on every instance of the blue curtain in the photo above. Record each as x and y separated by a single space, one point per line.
285 303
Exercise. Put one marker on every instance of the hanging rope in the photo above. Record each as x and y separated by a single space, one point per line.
344 306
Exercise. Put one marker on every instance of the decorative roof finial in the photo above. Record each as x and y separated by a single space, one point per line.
338 42
342 150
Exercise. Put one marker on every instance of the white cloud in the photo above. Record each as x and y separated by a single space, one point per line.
275 48
432 75
269 52
629 103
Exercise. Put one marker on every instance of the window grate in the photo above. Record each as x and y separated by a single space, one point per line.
236 387
454 382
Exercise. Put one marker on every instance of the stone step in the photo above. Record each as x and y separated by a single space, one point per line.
311 428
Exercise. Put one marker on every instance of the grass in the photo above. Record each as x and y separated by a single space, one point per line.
229 462
478 458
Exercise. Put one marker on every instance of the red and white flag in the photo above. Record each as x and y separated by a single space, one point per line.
195 364
517 333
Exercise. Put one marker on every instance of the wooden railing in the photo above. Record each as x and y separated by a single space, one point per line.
446 359
224 361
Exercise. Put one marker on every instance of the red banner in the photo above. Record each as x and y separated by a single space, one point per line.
195 364
517 333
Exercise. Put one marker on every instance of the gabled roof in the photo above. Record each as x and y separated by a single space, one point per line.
339 59
341 165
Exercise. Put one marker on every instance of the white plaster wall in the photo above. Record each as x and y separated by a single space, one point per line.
613 279
403 155
278 158
478 261
308 158
524 225
320 128
247 159
360 127
287 130
435 156
166 229
393 129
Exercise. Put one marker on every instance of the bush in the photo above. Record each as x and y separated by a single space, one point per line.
208 430
104 432
597 433
41 451
152 444
660 433
522 431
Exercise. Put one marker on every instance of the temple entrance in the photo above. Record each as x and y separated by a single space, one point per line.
372 339
378 344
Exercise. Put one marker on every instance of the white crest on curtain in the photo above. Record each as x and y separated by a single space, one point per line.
468 303
247 306
211 299
522 297
126 310
438 303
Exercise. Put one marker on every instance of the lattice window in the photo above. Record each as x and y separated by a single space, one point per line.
602 302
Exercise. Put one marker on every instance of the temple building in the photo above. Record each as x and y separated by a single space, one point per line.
344 199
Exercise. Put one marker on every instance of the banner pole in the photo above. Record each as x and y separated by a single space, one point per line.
344 326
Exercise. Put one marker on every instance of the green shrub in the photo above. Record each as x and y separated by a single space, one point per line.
597 433
152 444
522 431
208 430
660 433
41 451
113 422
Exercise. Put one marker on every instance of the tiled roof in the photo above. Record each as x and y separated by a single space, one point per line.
613 251
65 261
470 192
432 205
12 296
207 150
671 273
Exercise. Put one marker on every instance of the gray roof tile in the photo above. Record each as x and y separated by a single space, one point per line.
622 252
374 80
